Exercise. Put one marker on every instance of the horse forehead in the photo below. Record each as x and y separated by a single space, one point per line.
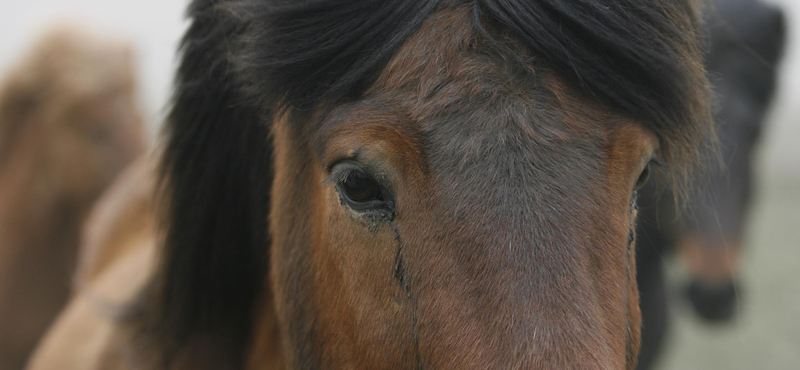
497 160
483 116
515 134
469 96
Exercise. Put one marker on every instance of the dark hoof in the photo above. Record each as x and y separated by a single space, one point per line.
714 303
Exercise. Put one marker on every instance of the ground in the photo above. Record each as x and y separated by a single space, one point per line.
766 336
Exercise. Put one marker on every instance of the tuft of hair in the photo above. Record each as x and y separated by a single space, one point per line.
215 177
302 54
245 61
642 57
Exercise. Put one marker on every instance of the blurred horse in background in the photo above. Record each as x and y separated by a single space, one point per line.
746 43
69 123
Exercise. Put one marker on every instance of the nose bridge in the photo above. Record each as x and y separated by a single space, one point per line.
524 306
517 269
510 274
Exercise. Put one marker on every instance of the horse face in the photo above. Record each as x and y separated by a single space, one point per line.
467 212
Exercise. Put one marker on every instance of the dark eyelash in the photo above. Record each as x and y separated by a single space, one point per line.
338 177
658 163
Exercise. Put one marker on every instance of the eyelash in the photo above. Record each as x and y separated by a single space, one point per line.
658 163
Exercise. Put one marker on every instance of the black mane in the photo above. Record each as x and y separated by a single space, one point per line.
245 60
635 55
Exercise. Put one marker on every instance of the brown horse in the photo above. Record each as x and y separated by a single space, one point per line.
384 185
68 124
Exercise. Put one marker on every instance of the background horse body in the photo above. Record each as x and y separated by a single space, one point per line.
383 185
68 125
746 42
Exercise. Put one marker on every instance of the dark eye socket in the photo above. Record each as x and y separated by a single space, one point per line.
359 187
643 177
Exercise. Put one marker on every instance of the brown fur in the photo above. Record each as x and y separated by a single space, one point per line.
116 258
68 124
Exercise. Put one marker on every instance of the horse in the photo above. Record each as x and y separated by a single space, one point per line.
383 185
746 39
69 122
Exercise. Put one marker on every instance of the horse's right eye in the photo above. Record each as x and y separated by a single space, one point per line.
361 192
359 187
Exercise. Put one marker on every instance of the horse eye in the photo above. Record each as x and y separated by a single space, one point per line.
643 177
359 187
361 192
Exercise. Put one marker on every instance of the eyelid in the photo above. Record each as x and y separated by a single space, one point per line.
342 157
335 177
354 164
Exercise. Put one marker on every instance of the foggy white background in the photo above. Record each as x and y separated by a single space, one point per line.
781 154
153 26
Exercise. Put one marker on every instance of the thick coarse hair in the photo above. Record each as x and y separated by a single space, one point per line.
246 61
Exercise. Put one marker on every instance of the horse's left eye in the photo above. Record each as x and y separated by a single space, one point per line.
359 187
643 177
